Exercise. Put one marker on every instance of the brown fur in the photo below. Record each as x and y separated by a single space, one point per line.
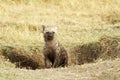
54 53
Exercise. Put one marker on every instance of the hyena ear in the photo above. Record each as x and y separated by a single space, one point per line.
55 29
43 28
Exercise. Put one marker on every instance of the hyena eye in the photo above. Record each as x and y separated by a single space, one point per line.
53 32
47 32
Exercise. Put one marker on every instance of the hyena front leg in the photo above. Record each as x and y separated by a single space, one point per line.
65 62
56 62
48 63
66 59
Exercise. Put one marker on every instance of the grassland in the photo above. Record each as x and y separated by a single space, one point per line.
105 70
78 21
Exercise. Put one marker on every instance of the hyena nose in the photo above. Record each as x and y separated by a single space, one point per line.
50 35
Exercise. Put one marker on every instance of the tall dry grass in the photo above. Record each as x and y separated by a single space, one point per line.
80 21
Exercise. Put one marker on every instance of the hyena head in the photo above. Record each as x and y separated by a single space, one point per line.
49 32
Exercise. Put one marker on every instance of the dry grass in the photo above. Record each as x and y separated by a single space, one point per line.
105 70
80 22
85 23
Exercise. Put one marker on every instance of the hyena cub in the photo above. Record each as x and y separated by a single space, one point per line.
54 53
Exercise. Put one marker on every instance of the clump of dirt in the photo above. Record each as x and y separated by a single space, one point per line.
85 53
106 48
110 47
24 59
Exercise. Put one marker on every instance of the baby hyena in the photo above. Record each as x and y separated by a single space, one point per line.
54 53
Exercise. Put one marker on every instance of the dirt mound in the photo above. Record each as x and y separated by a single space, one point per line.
24 59
85 53
110 47
106 48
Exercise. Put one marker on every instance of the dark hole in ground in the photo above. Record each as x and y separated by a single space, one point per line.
106 48
23 59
